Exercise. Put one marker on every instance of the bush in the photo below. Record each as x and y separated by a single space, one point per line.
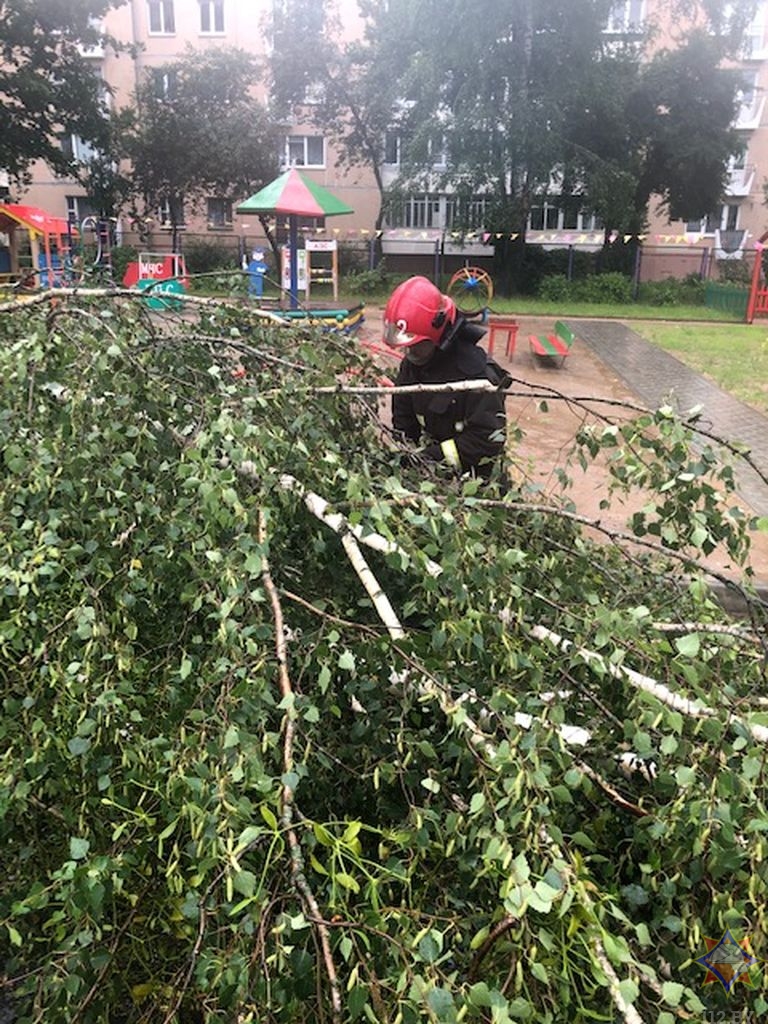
122 255
612 287
556 288
369 282
735 271
204 257
688 291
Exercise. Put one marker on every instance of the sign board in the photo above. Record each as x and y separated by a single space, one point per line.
301 269
321 244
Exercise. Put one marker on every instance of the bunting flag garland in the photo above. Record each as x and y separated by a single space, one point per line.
489 238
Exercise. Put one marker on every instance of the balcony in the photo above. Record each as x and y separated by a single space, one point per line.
95 52
750 115
740 181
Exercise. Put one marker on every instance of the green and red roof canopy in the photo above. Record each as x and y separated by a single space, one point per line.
294 195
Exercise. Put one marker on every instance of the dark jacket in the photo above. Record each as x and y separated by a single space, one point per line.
465 429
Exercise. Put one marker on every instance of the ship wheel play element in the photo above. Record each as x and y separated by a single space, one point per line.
471 288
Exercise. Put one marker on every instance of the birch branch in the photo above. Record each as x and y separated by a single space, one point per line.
24 302
662 693
319 508
287 794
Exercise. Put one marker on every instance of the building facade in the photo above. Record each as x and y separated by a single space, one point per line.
161 31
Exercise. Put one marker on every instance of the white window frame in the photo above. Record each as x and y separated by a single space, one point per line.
75 214
214 10
303 144
553 218
163 214
82 152
718 220
162 12
164 83
626 16
392 145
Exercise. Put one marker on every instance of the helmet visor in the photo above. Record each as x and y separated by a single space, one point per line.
396 336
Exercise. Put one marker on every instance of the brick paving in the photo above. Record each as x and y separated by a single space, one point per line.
658 378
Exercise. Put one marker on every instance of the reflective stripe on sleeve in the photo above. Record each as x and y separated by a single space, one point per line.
451 453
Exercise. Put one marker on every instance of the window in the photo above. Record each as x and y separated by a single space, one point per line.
219 212
304 151
626 16
80 207
392 148
164 82
211 17
419 211
438 150
724 219
161 19
464 213
165 210
746 94
546 216
78 150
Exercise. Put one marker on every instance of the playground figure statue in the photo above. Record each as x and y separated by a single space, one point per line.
257 268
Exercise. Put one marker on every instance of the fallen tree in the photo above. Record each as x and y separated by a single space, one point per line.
291 735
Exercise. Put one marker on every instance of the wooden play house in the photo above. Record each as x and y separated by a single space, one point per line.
34 245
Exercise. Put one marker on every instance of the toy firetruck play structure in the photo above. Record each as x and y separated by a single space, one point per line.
161 274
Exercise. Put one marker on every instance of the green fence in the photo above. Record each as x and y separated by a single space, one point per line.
731 298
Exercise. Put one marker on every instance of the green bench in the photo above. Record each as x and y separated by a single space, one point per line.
553 346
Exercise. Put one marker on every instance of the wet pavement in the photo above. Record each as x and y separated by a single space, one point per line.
658 378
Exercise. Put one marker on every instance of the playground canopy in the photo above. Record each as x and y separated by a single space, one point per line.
294 195
49 236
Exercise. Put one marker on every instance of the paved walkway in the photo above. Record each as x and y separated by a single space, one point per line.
658 378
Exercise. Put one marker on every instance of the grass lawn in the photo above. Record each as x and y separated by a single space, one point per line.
734 356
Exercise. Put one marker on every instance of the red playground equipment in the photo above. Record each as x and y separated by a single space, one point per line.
48 260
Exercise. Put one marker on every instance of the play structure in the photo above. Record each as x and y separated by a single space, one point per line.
316 264
36 248
471 288
757 304
295 195
161 274
340 321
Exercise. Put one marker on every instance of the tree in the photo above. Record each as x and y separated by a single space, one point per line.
529 99
47 86
290 734
492 89
198 131
354 98
661 127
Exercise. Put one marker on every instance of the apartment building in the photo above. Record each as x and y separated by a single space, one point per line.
423 223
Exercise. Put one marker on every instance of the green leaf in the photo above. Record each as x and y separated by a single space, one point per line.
79 745
347 881
477 803
244 882
689 645
78 848
268 816
347 661
672 992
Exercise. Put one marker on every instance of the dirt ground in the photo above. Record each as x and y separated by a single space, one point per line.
549 430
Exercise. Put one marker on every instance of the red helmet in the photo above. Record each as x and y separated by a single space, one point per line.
417 311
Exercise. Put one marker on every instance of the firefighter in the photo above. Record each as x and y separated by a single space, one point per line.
462 430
